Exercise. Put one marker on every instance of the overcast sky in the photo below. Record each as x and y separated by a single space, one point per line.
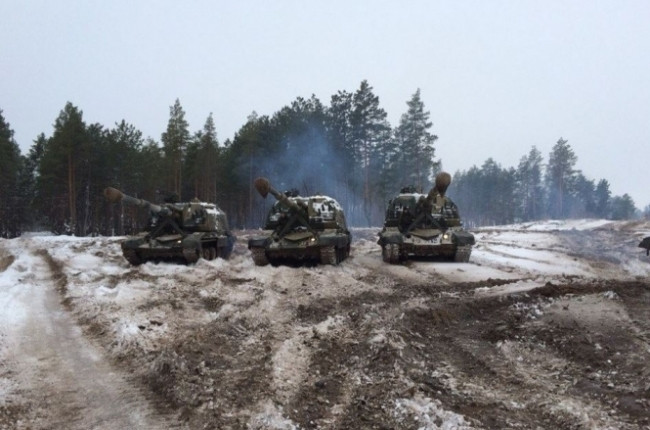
497 76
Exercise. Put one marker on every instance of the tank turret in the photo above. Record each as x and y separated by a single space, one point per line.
300 228
436 195
183 231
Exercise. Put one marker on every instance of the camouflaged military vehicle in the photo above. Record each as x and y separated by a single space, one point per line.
300 229
645 243
424 225
177 231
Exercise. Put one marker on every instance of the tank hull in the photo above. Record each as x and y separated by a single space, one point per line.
188 249
453 244
326 248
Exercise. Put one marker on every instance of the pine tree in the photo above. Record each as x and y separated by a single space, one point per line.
152 165
31 167
175 141
559 176
201 162
11 203
465 188
93 177
646 212
603 199
584 197
58 182
529 189
414 155
497 193
339 131
124 144
623 207
245 156
370 130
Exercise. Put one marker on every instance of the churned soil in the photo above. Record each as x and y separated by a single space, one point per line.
543 328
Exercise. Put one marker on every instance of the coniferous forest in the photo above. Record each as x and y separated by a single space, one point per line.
346 149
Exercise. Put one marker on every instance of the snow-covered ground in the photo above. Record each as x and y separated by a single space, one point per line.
88 341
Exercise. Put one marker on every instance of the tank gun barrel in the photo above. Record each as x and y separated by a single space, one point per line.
263 186
114 195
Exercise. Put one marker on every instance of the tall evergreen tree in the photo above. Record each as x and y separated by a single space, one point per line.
11 203
201 163
58 183
92 177
584 197
485 195
646 212
175 141
34 217
603 197
414 155
152 167
529 190
246 155
623 207
467 194
370 130
339 127
560 173
497 194
125 143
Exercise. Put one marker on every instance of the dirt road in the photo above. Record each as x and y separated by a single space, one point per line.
546 327
64 380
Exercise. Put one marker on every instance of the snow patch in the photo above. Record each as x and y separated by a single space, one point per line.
270 417
290 364
511 288
425 413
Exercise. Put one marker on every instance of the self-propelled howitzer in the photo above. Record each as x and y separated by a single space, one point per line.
424 225
183 231
300 229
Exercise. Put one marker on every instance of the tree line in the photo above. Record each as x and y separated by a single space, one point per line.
347 150
491 194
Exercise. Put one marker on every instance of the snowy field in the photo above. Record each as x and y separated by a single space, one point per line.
547 326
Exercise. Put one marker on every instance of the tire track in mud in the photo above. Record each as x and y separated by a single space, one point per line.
471 354
62 377
348 346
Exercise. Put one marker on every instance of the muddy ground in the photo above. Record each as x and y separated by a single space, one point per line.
544 328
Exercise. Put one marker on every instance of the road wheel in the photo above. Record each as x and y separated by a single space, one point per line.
222 252
191 255
340 254
390 253
259 256
213 253
462 254
328 255
205 253
132 257
385 254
